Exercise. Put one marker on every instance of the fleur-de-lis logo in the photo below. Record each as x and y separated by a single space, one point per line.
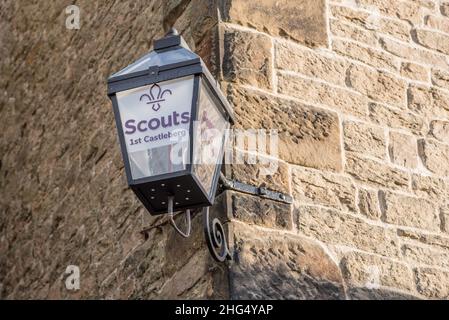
155 97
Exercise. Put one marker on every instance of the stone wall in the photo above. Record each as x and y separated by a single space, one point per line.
64 199
357 89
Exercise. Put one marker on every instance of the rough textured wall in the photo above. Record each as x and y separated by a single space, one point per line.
63 194
359 91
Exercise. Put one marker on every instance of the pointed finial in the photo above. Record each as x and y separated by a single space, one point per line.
171 39
172 32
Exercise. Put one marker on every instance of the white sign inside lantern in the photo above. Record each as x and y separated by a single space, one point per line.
156 122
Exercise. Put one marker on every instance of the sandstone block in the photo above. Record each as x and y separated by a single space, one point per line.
311 63
412 11
365 139
357 17
368 55
409 211
439 241
345 30
281 266
206 50
433 40
301 20
403 150
327 189
247 58
369 203
428 4
425 255
261 171
432 283
415 54
430 102
336 228
398 119
191 246
433 155
317 92
308 136
376 173
440 78
430 186
371 22
366 270
258 211
395 28
196 21
440 103
378 85
439 129
414 71
187 276
439 23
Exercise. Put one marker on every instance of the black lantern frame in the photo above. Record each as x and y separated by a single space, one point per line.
183 185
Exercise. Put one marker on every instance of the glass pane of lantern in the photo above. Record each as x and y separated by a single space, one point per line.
159 59
156 123
210 132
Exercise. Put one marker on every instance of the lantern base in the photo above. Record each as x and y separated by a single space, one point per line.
186 193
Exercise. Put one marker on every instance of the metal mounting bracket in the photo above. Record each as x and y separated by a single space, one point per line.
214 231
253 190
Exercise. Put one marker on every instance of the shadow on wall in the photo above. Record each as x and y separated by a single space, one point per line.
163 266
64 199
283 266
281 281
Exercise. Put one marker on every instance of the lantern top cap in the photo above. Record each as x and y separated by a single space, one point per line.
172 32
169 50
171 38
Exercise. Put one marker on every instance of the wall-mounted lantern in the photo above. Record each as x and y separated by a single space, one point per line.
172 119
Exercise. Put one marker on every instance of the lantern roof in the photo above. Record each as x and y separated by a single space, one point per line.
170 58
169 52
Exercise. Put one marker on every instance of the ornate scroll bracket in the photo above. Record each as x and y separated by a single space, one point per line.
215 237
214 231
